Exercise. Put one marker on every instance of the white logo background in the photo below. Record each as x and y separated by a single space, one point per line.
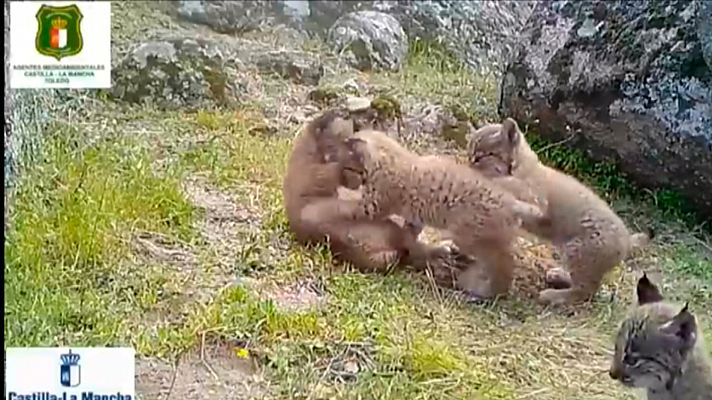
104 370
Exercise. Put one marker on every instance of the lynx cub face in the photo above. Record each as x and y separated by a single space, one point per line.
659 348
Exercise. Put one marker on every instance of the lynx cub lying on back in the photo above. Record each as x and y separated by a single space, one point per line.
316 214
443 194
593 239
660 348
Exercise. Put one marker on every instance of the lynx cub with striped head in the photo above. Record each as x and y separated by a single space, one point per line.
660 348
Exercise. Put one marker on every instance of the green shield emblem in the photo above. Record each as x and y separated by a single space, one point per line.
59 31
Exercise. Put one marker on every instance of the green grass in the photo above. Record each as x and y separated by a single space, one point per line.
64 251
433 73
106 247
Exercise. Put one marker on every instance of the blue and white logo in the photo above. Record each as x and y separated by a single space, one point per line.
77 373
69 372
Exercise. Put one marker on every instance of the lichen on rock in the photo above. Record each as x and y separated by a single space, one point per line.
297 66
629 79
178 72
369 40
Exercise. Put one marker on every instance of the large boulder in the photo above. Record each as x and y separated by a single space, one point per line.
369 40
482 34
195 72
179 72
626 81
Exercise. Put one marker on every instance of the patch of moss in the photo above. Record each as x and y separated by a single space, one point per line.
387 107
326 95
457 133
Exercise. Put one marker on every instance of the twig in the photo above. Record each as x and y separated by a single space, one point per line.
431 282
175 375
204 361
531 394
555 144
322 377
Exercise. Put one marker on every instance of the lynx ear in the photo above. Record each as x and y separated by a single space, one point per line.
352 143
683 327
510 129
647 292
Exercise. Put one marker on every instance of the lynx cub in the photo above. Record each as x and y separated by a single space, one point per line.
592 238
660 348
439 192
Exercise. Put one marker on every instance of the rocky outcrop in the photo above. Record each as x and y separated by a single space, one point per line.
630 82
482 34
297 66
227 16
178 72
369 40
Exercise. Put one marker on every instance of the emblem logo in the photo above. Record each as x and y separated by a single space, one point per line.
59 31
69 371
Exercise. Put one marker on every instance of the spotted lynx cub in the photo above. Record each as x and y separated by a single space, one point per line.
660 348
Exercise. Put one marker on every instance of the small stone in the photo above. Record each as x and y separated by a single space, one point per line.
356 104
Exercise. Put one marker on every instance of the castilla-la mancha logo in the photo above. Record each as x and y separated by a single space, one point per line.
69 371
59 32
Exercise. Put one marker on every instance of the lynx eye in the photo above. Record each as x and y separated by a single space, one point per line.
631 360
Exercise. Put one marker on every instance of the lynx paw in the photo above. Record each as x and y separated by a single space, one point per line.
473 297
449 245
450 255
558 278
554 297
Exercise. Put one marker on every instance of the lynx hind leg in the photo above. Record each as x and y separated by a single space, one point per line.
494 271
586 263
370 246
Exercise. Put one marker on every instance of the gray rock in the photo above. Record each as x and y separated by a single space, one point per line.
179 72
369 40
226 16
704 30
355 104
631 81
480 33
300 67
323 13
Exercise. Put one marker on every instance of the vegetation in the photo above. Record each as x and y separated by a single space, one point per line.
135 233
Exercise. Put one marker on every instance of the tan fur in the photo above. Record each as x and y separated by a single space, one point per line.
316 214
593 239
439 192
